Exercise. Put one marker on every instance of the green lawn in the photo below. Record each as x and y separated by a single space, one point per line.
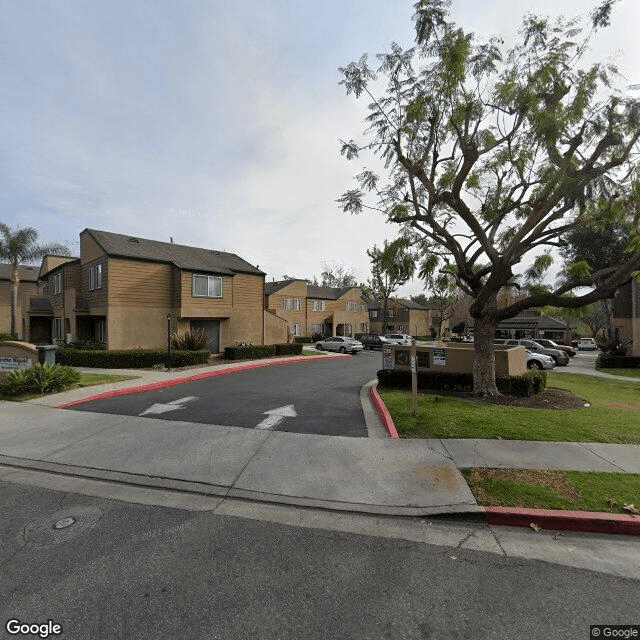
629 373
568 490
614 414
86 380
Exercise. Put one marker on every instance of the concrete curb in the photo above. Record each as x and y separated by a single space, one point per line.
385 416
154 386
583 521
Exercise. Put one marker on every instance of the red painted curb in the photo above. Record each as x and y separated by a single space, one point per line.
586 521
199 376
384 414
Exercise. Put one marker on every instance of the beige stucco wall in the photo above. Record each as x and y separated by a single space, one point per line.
275 329
460 358
133 327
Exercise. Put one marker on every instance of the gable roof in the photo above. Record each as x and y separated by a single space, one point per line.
330 293
27 273
276 285
189 258
409 304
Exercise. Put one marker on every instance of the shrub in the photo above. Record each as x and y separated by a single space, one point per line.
614 346
194 340
88 345
291 349
303 339
618 362
6 336
43 378
525 385
130 359
249 352
316 337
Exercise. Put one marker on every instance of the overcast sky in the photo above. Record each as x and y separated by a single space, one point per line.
212 122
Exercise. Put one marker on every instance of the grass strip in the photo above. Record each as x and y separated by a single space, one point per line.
547 489
628 373
613 414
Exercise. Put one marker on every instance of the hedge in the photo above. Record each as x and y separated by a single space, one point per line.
262 351
526 385
303 339
130 359
618 362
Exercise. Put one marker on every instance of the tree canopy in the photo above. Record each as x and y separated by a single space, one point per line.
493 155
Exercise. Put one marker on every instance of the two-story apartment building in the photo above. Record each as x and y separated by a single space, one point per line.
28 287
310 309
403 316
127 292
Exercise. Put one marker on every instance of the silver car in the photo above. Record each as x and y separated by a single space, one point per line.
342 344
398 338
539 361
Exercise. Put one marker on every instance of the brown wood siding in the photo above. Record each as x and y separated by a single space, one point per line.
90 250
97 297
194 302
134 283
248 291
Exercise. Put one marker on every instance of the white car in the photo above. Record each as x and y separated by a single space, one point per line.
588 344
398 338
342 344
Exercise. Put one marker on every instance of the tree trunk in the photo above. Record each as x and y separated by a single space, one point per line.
607 313
15 279
484 365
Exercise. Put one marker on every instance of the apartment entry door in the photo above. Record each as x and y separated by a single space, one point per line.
212 329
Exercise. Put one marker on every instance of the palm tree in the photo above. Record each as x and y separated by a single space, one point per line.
17 247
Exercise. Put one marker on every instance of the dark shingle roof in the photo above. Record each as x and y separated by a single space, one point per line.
327 293
40 305
183 257
272 287
27 274
377 304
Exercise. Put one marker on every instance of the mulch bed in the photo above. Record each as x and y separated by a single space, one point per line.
550 398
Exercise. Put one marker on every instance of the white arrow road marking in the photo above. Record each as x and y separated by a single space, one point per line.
276 416
169 406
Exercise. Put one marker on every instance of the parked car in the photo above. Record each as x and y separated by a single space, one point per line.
539 360
550 344
398 338
587 344
373 341
560 357
343 344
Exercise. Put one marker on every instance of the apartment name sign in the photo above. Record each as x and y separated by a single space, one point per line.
9 363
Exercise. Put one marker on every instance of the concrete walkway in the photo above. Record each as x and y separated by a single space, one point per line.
215 462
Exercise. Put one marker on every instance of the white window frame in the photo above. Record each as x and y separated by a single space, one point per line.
101 330
317 328
98 269
352 307
297 330
374 313
95 277
348 329
57 283
317 305
57 328
211 280
292 304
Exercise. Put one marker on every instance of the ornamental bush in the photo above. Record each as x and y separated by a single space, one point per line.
194 340
618 362
43 378
526 385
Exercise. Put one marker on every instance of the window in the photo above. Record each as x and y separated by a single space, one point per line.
207 286
316 328
57 283
57 328
389 313
101 330
352 306
363 308
374 313
348 328
363 327
292 304
95 277
296 330
317 305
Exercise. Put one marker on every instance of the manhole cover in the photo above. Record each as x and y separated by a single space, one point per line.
60 527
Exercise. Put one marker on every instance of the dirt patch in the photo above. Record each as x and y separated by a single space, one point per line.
552 480
550 398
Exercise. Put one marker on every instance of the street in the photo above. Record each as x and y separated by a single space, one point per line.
135 571
320 397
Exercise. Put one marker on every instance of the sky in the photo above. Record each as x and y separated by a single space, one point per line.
213 123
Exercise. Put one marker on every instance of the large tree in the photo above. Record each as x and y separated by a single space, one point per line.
492 155
18 247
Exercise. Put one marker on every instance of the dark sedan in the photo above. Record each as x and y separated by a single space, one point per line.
373 341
